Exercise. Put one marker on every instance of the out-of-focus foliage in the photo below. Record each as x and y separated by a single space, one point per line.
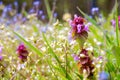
37 46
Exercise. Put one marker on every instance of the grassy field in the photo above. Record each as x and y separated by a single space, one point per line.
82 48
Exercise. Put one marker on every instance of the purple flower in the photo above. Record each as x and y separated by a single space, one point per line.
1 49
76 58
9 7
79 29
40 12
5 10
32 11
15 19
19 16
24 19
1 57
43 17
24 4
103 76
94 10
15 3
22 52
1 2
55 15
36 3
113 22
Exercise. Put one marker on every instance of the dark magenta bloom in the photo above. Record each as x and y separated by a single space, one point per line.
22 52
79 29
85 62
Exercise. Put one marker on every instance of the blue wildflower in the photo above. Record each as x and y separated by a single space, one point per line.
103 76
55 15
94 10
15 3
36 3
43 17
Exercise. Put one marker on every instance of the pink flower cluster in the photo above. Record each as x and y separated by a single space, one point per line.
79 29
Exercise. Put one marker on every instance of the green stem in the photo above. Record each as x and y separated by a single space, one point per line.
66 63
48 8
117 25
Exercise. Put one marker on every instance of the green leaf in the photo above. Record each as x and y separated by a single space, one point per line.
50 49
116 52
117 24
80 76
90 19
35 29
48 8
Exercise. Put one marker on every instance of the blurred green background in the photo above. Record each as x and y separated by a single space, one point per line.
63 6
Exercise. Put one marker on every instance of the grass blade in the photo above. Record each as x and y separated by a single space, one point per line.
90 19
117 25
80 76
51 50
29 44
55 56
36 30
48 8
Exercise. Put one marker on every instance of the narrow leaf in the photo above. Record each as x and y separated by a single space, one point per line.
29 44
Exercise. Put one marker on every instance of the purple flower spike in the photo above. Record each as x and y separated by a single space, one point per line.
79 29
